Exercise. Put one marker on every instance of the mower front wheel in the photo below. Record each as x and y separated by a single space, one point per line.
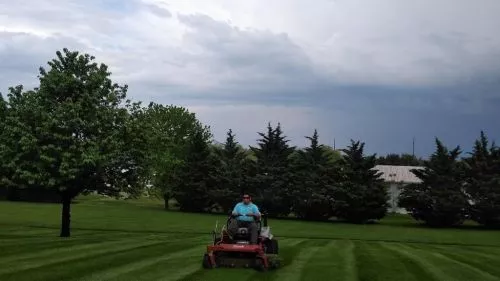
272 247
207 264
259 265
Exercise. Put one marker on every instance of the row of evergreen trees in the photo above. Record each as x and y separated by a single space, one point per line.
454 190
318 183
314 183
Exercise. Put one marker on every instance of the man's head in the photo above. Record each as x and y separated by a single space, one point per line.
246 198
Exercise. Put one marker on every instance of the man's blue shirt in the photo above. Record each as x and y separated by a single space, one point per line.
243 209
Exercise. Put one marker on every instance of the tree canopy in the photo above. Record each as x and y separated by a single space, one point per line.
439 200
483 182
361 196
71 133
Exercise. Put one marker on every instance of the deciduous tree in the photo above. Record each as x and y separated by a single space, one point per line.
169 129
71 133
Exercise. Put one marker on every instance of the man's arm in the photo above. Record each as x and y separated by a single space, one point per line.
255 211
235 209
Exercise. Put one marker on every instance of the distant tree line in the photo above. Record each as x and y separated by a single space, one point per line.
77 133
404 159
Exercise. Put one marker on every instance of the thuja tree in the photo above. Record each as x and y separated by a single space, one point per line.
362 195
483 182
440 199
231 173
272 183
314 177
3 117
74 133
197 176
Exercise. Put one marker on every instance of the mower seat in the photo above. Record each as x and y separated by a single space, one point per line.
242 233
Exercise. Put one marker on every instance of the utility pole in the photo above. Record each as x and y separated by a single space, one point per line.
413 152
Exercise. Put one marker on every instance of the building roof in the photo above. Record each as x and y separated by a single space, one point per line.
401 174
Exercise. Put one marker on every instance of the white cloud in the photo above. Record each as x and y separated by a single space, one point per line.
383 42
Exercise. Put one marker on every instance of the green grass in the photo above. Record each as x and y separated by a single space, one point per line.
137 240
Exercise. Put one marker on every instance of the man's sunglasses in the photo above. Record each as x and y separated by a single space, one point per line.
246 197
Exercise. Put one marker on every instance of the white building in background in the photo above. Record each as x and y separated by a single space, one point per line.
397 177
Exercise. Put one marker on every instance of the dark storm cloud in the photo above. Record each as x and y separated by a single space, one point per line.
351 73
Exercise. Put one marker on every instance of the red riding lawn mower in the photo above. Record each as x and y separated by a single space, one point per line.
238 252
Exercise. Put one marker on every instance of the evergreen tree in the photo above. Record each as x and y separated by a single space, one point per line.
272 185
197 176
362 195
3 117
483 182
3 111
313 179
231 174
439 200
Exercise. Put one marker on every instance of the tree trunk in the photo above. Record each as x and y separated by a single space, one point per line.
65 216
166 198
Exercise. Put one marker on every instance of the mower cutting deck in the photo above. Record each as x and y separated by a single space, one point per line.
238 252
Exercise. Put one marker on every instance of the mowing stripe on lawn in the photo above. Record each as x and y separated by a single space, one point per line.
173 269
74 269
178 274
293 272
467 251
183 230
469 262
431 268
350 261
25 232
479 272
115 272
21 246
96 250
329 263
483 261
19 249
43 243
441 267
377 263
67 249
106 265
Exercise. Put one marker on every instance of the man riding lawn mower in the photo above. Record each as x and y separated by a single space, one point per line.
245 241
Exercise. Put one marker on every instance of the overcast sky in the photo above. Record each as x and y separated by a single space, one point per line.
381 71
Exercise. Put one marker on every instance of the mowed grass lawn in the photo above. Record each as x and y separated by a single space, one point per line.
137 240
